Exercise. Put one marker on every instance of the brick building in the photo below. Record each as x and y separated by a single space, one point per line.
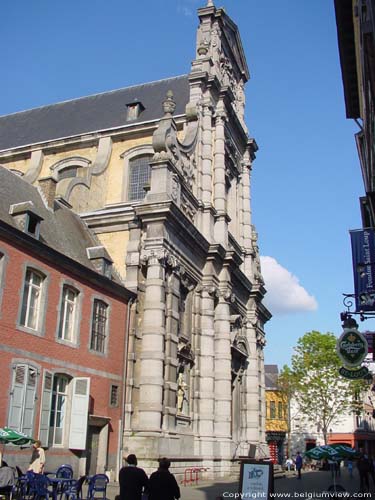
63 322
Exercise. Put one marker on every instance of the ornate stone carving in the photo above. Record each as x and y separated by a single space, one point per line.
167 146
257 268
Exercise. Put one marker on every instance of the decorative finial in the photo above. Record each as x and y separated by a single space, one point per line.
169 104
210 3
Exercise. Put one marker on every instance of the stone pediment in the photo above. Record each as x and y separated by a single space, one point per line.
233 43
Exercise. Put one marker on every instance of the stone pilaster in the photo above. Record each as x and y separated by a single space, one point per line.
246 217
223 386
221 225
252 388
171 342
206 378
206 171
152 352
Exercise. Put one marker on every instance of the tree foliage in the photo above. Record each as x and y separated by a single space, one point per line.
322 394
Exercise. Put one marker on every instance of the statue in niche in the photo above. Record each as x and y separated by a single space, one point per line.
182 394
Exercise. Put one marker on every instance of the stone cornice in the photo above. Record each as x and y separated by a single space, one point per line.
89 139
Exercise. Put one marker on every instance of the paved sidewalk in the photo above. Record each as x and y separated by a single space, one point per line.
310 487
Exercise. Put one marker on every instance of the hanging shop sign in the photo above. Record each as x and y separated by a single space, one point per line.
363 258
351 347
355 374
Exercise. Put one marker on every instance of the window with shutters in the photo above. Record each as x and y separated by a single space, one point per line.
139 177
68 314
58 409
32 300
22 398
99 326
64 411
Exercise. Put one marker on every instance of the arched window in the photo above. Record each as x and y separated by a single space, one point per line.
139 177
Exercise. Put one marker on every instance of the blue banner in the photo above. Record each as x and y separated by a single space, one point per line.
363 253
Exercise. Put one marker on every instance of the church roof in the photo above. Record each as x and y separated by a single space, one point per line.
94 113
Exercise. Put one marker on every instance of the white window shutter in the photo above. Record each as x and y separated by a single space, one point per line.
28 416
45 408
78 416
17 398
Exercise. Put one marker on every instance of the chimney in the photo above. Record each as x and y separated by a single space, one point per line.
47 186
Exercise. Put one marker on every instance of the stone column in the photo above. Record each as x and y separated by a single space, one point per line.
205 393
221 226
171 342
223 380
247 227
252 397
152 352
206 171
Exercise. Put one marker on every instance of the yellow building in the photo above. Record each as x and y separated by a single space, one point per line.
276 416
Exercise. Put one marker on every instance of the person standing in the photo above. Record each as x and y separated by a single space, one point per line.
38 458
298 462
133 480
163 484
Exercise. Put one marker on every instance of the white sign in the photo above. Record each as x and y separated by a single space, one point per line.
256 479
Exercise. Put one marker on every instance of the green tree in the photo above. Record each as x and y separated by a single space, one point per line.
322 394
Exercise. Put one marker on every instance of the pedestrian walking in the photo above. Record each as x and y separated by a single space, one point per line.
350 468
371 468
38 458
163 484
298 462
363 467
133 480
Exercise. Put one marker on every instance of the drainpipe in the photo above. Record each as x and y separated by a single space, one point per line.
124 382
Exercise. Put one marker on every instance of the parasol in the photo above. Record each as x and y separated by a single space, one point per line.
10 436
331 451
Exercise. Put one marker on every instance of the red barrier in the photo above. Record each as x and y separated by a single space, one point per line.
191 475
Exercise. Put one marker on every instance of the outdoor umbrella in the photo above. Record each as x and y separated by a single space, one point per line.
10 436
331 451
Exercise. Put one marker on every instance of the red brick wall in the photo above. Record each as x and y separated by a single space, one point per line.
15 342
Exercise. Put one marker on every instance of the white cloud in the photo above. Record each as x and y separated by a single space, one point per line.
285 294
188 7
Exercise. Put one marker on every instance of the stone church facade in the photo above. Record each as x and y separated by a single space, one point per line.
161 173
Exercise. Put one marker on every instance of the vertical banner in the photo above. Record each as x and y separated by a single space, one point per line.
363 255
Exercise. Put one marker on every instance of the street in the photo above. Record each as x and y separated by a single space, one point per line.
312 485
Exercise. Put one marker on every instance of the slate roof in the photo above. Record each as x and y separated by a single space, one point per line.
271 373
61 229
90 114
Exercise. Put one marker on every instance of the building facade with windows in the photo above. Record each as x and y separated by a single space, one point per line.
277 416
161 172
63 320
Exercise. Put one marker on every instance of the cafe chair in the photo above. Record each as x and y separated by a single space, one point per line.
73 490
98 487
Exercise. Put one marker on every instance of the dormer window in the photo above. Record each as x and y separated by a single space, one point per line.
32 225
26 217
134 109
101 260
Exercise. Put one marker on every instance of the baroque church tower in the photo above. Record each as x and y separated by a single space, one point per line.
162 173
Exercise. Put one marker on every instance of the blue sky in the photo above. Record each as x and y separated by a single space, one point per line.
306 179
